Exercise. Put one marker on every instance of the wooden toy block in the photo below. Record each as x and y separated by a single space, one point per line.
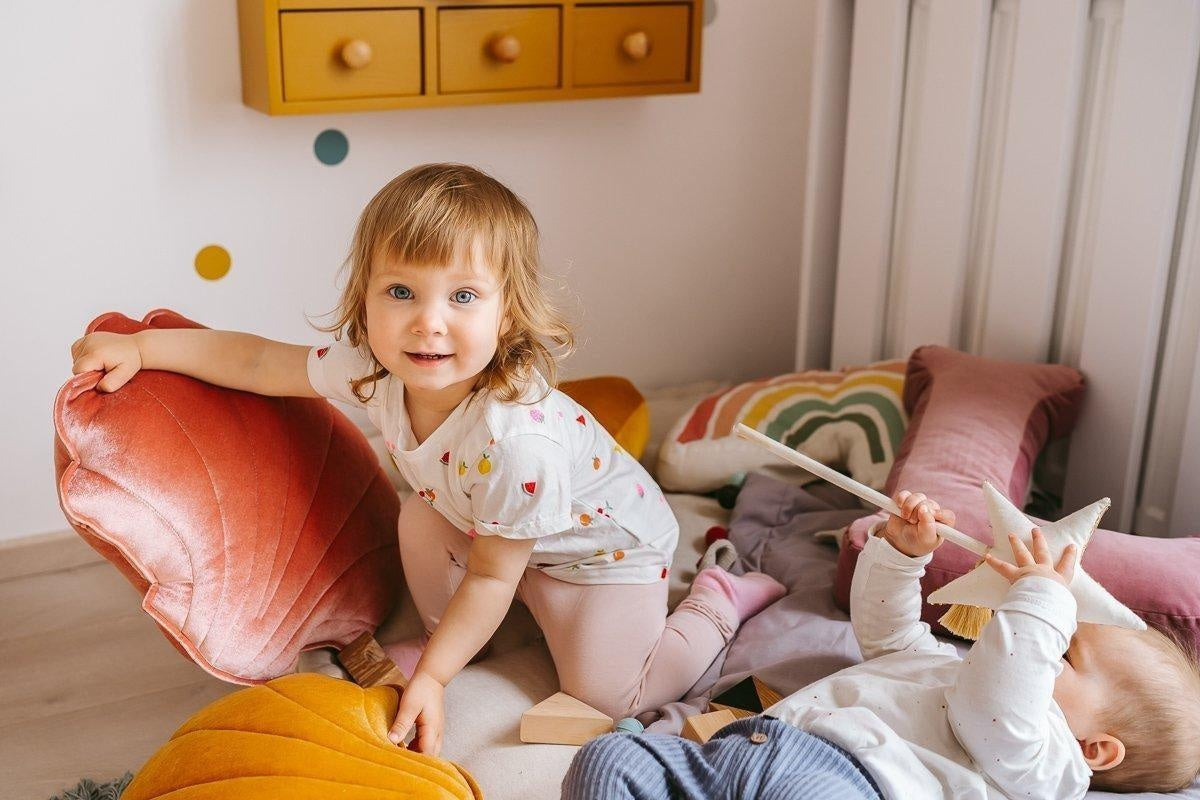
561 719
369 665
738 713
745 698
701 727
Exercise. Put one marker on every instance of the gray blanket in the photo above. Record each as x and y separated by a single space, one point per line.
802 637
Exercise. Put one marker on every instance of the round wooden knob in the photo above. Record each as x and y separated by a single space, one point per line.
506 48
356 54
636 45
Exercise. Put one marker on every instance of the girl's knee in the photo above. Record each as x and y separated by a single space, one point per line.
617 705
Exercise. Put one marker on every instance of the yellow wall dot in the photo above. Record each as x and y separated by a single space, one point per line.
212 262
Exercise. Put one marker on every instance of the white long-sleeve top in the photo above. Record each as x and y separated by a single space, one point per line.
927 723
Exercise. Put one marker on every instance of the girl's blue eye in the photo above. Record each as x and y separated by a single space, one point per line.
400 292
464 296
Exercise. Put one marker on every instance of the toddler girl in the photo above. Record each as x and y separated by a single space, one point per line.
518 491
1039 708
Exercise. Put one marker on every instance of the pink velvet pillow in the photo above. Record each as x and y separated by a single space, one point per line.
255 527
974 419
971 419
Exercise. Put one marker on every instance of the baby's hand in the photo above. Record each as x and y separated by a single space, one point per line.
1037 563
913 532
116 354
420 705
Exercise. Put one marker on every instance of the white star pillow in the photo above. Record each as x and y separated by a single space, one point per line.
984 587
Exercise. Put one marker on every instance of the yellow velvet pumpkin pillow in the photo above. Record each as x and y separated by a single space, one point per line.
617 405
300 737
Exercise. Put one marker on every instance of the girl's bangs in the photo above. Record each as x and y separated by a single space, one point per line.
439 245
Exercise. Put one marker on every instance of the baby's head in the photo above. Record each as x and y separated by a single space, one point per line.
1132 700
443 287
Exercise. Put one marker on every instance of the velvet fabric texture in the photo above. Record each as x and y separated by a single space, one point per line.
300 737
618 406
975 419
971 419
254 527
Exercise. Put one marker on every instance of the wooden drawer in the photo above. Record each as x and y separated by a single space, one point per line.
629 44
498 48
331 55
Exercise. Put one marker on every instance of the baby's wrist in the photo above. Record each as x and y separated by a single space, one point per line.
1048 574
894 555
1043 598
906 548
1052 578
426 674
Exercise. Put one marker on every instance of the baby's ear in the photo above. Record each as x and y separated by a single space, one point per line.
1102 751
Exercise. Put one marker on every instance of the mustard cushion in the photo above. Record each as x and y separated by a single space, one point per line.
301 737
618 406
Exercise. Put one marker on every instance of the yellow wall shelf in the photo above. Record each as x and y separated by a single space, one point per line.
324 56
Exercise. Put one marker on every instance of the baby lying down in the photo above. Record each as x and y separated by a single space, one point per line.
1039 708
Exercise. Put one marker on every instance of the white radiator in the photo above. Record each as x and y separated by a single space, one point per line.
1017 179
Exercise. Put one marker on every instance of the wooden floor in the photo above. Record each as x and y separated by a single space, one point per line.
89 687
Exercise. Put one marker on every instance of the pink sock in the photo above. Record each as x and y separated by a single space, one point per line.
407 653
749 593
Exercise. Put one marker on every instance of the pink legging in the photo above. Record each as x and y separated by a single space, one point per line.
613 645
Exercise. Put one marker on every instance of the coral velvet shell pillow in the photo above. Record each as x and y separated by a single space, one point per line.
851 419
255 527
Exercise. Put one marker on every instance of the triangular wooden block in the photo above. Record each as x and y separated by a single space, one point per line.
746 698
561 719
701 727
738 713
767 696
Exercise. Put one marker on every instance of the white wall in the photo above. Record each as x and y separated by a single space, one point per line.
124 148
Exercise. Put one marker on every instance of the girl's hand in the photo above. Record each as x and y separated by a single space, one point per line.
420 703
1036 563
914 533
118 355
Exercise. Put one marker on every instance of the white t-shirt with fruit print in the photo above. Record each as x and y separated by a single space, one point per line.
542 470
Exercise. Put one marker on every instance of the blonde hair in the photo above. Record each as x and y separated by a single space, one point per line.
1156 715
431 214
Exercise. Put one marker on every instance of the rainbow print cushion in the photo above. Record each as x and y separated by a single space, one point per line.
852 419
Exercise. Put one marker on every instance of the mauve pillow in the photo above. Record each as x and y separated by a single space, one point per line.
255 527
974 419
971 419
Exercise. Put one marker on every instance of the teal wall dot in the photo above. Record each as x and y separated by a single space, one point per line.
331 147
